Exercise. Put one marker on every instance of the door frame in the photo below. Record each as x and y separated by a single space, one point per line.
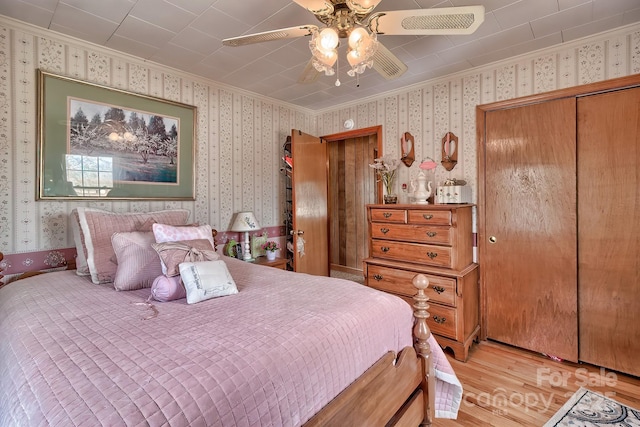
338 137
358 133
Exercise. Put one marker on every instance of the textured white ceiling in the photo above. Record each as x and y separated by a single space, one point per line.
187 35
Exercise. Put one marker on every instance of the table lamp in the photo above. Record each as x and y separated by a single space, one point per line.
245 222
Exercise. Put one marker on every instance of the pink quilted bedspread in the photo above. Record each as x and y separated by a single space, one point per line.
77 354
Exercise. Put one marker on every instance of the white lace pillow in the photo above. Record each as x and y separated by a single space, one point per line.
206 279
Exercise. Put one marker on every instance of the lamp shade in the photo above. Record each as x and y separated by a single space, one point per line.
245 221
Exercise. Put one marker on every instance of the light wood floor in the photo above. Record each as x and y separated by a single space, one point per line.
506 386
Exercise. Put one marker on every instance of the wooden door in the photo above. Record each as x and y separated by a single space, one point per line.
528 227
310 217
609 229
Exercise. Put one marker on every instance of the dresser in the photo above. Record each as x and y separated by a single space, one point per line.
437 241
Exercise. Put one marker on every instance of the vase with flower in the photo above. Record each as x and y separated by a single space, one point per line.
386 168
270 248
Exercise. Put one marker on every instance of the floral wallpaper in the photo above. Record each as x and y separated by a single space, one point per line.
449 104
240 135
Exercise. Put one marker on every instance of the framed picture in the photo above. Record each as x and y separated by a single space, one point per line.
98 142
256 245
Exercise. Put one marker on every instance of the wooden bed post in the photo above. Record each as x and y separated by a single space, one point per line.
421 334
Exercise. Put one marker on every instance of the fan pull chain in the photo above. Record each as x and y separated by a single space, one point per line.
338 71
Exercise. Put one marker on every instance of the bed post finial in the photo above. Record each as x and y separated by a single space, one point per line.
421 334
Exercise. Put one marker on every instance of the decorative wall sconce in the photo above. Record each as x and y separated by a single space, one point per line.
449 151
407 147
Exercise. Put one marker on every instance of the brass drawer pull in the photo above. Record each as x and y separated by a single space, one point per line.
427 216
432 255
431 233
438 289
387 214
439 320
384 230
378 277
384 249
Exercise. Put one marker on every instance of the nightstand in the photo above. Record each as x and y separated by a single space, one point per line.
280 263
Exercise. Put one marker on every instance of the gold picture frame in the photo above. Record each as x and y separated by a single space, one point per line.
97 142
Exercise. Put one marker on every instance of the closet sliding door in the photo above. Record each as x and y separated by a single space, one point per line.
609 229
529 235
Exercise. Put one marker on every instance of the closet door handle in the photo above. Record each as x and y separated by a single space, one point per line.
432 255
384 230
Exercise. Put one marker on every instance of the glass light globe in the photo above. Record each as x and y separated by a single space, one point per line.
328 58
357 36
353 57
328 39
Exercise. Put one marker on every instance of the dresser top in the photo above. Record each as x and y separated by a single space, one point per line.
444 207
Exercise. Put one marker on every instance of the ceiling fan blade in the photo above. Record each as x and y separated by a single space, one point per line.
387 64
317 7
283 33
309 74
424 22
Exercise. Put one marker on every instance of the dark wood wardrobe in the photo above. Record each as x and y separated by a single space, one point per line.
559 222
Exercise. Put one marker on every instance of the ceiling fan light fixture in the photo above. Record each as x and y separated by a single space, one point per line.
362 7
323 58
362 48
317 7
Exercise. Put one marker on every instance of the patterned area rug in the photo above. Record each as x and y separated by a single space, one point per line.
588 409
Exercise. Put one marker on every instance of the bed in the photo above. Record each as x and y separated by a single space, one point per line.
288 349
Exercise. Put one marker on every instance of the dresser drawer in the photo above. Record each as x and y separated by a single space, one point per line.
439 256
413 233
443 320
427 216
441 289
389 215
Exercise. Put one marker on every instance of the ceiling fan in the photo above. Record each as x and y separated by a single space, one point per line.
355 21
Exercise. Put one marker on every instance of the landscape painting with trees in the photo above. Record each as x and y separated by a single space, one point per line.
108 143
120 145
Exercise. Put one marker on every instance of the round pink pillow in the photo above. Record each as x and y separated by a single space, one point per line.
168 288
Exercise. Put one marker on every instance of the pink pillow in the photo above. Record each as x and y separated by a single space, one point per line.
97 226
173 253
172 233
138 262
168 288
